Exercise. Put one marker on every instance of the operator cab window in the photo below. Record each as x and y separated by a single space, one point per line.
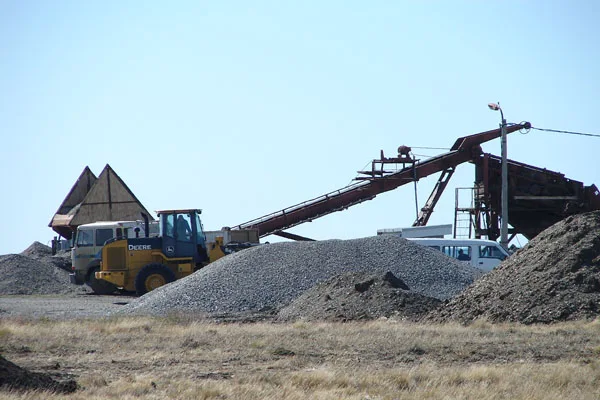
184 228
169 228
461 253
491 252
85 238
102 235
200 238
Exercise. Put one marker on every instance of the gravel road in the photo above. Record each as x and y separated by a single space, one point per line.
61 306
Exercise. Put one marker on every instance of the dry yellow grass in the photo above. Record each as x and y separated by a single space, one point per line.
145 358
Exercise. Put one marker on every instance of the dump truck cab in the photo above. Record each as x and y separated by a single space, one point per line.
143 264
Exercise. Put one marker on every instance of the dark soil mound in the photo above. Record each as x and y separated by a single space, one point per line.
16 378
356 296
556 277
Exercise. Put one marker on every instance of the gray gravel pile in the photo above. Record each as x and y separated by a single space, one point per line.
359 296
25 275
36 271
43 253
271 276
556 277
37 250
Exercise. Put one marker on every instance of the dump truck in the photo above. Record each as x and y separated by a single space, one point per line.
181 248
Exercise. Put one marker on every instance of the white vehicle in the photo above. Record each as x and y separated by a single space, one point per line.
483 254
88 242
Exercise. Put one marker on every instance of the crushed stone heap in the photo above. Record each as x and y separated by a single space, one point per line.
25 275
359 296
270 276
36 271
37 250
555 277
43 253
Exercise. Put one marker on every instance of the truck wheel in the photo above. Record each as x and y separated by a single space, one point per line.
151 277
99 286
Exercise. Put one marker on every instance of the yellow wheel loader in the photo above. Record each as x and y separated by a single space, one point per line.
144 264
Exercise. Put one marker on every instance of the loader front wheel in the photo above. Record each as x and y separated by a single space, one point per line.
151 277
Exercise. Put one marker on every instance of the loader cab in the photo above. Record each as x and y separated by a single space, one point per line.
182 234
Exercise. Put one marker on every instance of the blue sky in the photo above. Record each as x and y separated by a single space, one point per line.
245 108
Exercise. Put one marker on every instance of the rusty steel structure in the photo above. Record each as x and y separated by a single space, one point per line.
379 180
537 198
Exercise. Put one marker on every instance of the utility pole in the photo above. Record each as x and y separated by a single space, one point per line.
504 211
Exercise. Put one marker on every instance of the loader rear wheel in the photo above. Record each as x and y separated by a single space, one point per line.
151 277
99 286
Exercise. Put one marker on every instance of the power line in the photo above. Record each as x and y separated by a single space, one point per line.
357 175
567 132
430 148
422 155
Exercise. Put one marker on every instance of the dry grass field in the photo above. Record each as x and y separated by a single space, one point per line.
145 358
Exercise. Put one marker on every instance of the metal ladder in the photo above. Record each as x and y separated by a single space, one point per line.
464 212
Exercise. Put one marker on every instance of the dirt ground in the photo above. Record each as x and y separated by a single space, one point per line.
157 358
57 307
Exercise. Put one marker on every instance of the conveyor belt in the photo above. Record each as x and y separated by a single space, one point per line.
464 149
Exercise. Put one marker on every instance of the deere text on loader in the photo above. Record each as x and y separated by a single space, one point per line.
144 264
